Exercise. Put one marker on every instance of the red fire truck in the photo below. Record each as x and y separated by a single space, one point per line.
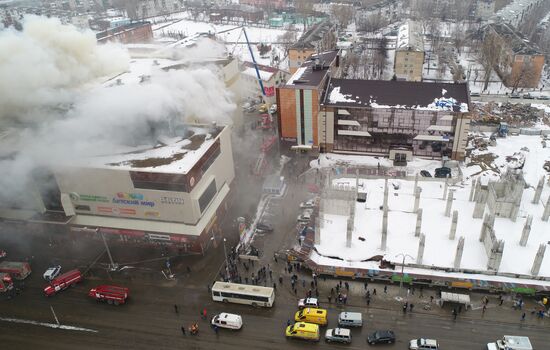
111 294
17 270
6 282
62 282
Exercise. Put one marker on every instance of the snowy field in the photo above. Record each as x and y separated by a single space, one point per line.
439 249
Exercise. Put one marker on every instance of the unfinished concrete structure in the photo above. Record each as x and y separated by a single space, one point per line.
338 200
449 203
421 245
459 251
538 259
504 196
418 223
454 223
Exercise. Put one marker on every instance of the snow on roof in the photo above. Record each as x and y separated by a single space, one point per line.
297 75
397 94
169 155
263 74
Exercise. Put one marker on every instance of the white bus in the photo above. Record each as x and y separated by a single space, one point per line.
243 294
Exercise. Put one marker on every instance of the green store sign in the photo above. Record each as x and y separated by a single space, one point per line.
89 198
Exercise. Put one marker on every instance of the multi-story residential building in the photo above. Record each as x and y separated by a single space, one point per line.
409 52
517 12
151 8
139 32
520 63
389 10
394 118
298 100
320 37
484 9
272 4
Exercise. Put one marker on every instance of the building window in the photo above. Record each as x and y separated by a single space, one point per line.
207 196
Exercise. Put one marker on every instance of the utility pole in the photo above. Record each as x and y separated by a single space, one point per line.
402 271
226 262
112 266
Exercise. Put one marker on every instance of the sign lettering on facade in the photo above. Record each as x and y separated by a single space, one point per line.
171 200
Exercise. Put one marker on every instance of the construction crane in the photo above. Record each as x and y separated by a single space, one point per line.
251 54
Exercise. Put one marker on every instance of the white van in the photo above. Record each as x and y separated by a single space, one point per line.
225 320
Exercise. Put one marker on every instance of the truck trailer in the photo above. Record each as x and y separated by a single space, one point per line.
17 270
110 294
511 342
62 282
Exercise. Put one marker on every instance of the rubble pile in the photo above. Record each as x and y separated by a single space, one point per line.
516 115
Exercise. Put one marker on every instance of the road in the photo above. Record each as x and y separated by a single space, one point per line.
148 321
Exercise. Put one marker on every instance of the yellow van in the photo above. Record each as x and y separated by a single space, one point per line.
312 315
303 330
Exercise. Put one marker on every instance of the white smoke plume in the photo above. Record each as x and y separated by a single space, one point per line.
51 85
44 65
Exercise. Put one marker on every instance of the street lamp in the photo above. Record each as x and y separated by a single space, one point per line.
402 268
224 254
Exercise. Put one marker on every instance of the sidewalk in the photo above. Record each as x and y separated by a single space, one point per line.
392 301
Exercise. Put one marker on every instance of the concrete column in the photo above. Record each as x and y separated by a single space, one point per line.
491 223
526 231
546 212
418 223
349 231
318 227
538 191
415 181
538 259
484 226
479 207
421 245
384 229
450 198
459 251
478 191
386 194
515 209
417 192
472 190
454 222
445 188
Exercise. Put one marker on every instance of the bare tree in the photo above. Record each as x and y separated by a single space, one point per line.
489 55
305 9
522 78
287 39
343 14
372 23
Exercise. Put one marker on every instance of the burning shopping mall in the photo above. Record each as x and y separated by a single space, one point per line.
171 189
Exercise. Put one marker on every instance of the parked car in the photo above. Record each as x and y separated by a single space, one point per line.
52 272
381 337
475 94
544 97
264 227
308 204
423 344
273 109
443 172
308 302
528 96
515 95
425 173
338 335
305 217
262 108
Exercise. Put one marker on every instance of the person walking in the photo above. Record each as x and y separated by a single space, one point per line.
347 286
175 308
204 314
368 300
183 330
386 289
411 307
374 291
523 317
454 314
484 308
329 299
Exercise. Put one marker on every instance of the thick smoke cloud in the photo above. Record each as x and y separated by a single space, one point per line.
51 85
43 66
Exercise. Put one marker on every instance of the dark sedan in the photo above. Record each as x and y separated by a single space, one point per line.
381 337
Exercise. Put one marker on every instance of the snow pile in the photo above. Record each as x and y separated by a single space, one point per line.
335 96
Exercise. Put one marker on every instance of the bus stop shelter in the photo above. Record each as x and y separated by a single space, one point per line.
455 298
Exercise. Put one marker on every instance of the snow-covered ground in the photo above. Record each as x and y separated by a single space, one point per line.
233 37
439 249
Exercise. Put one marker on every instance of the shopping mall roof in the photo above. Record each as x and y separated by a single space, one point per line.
396 94
168 152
